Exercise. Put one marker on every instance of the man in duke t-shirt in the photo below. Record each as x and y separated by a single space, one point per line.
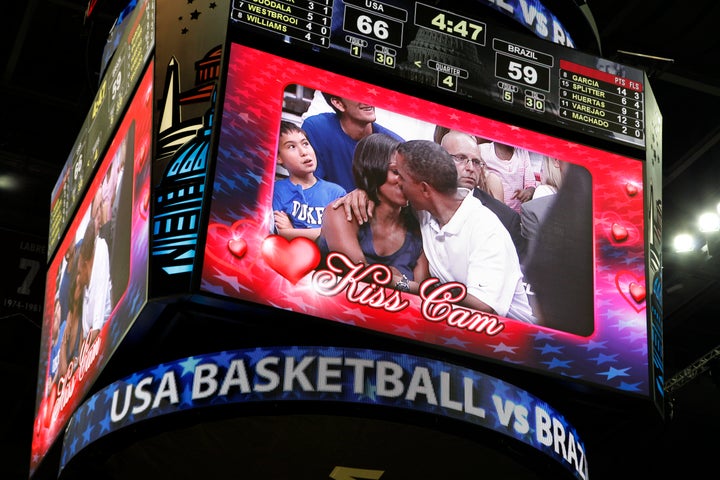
334 136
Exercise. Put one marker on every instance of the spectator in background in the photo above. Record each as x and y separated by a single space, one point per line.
488 181
334 136
551 173
470 168
300 199
533 212
559 264
515 170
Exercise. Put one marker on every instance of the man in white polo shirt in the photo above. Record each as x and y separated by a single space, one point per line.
463 240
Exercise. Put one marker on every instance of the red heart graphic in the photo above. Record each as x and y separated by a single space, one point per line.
238 247
631 189
637 292
224 244
631 287
291 259
619 233
619 229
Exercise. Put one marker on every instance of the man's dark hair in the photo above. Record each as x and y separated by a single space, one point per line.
430 163
328 98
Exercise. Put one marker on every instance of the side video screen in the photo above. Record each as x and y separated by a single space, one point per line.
97 282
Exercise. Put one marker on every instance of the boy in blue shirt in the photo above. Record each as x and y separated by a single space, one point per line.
300 199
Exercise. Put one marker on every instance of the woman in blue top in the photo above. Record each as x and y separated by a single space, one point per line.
391 236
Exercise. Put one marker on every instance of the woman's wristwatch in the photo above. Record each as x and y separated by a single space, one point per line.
403 284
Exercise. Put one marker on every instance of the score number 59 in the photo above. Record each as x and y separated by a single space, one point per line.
529 74
522 73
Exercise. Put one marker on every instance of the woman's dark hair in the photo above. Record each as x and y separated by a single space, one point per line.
370 170
371 161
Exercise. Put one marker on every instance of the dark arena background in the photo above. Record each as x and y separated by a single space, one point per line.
149 129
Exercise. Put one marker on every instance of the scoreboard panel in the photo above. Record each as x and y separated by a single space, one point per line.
455 47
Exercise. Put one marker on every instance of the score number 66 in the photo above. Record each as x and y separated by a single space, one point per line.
377 28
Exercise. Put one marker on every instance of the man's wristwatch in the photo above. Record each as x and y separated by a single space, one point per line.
403 284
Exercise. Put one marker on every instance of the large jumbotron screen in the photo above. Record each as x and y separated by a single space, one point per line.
586 281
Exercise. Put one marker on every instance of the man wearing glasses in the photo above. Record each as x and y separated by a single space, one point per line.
471 175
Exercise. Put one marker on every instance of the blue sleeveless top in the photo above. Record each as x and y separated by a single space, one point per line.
404 259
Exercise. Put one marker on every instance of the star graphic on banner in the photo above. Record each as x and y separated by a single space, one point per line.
110 393
223 358
543 336
355 312
614 372
624 323
630 387
407 331
73 446
134 379
602 358
455 341
105 424
635 336
525 397
547 348
557 363
501 347
232 282
90 405
160 370
189 365
257 355
295 352
501 388
87 433
592 345
331 351
256 177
